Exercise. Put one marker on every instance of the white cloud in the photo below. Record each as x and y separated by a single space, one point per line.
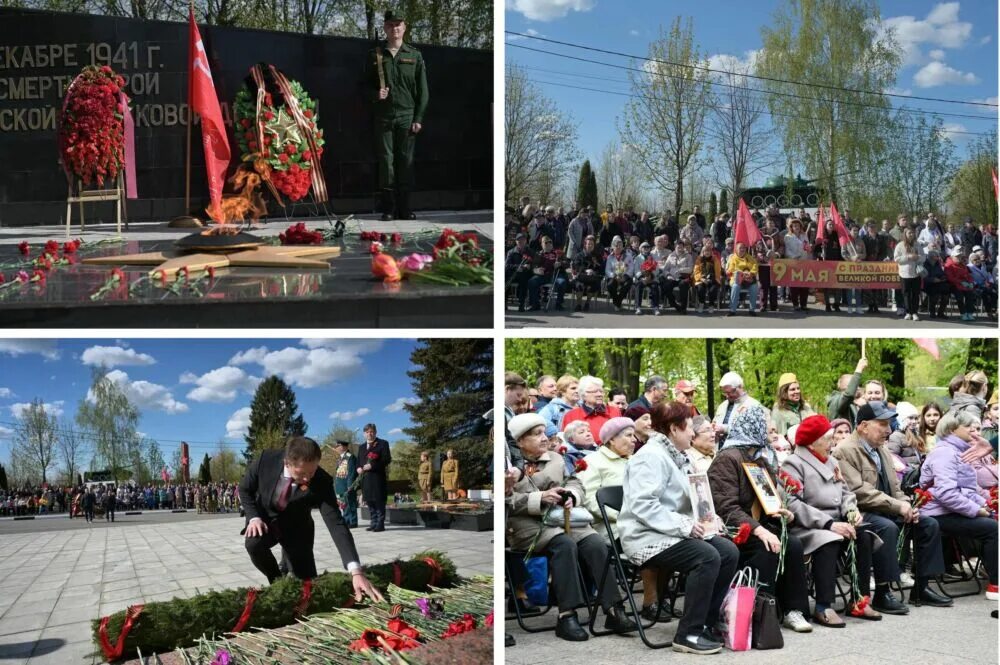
940 28
6 432
949 129
220 385
936 54
114 356
398 405
937 73
6 392
360 346
634 33
238 423
395 430
22 347
547 10
529 31
985 100
985 40
349 415
309 368
52 409
144 394
724 62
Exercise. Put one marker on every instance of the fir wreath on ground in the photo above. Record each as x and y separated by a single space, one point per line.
181 622
444 627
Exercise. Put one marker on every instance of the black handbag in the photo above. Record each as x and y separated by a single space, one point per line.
766 627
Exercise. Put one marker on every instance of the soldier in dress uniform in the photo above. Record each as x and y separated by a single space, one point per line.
398 78
347 473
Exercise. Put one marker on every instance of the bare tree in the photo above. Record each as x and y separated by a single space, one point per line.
70 446
740 144
35 435
619 176
540 139
666 115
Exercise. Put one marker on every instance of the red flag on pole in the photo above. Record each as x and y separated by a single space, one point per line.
165 475
746 228
996 185
838 224
820 226
204 102
929 345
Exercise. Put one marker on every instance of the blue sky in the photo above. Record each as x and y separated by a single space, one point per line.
950 51
199 390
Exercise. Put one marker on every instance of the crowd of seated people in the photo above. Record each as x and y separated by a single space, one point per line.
846 475
671 263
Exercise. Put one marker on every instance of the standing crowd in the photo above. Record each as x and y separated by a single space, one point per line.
82 500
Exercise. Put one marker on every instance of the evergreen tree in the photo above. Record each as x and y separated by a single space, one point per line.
205 471
724 201
713 208
454 382
3 478
586 188
274 416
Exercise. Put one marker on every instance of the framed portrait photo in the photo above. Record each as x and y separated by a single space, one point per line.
766 492
702 504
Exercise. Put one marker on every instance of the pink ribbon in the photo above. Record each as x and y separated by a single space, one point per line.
130 189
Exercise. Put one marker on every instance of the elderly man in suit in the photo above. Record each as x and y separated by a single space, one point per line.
374 458
278 493
868 471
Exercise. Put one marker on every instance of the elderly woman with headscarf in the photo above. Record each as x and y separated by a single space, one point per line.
790 407
543 486
658 530
841 430
957 504
827 519
736 502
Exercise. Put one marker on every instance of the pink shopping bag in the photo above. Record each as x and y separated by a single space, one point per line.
737 609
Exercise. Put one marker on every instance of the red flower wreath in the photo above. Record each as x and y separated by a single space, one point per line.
91 126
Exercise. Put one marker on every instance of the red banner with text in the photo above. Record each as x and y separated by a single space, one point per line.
836 274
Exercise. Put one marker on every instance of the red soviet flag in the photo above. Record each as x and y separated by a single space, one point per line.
746 228
204 102
820 226
996 185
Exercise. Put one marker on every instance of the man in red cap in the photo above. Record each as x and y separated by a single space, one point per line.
684 392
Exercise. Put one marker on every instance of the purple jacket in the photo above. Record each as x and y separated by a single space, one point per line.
951 481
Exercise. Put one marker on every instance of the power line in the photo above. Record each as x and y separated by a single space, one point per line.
732 86
724 108
753 76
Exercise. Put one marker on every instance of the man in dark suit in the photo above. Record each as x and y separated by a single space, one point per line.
374 458
278 493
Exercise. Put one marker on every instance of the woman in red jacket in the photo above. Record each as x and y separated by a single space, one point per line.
960 278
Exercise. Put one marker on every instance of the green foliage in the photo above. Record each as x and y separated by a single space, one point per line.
163 626
224 466
405 462
274 417
453 378
908 372
586 188
112 420
838 42
34 438
205 471
971 191
713 208
724 201
3 478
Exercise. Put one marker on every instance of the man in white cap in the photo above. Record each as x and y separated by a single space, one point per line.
737 400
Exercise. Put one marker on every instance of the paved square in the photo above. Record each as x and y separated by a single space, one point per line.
965 634
57 575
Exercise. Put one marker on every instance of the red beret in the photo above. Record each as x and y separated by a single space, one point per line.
811 430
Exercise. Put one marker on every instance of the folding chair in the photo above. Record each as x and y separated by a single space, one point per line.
842 583
625 572
521 616
960 548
